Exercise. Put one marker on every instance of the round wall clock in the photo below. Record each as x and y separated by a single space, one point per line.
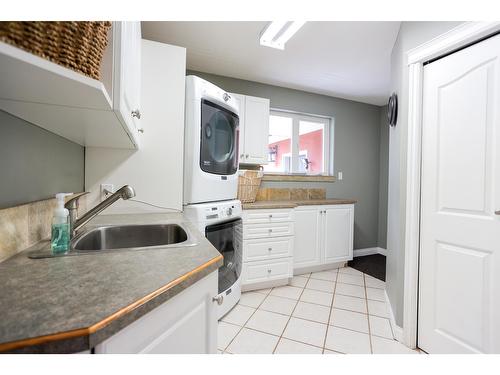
392 110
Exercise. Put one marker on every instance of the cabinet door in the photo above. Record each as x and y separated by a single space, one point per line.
307 243
127 75
338 234
185 324
256 130
240 99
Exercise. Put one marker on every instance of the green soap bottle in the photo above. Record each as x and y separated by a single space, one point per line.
60 227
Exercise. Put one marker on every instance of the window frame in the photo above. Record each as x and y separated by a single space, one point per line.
328 140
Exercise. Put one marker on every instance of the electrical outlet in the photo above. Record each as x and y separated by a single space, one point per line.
339 176
106 189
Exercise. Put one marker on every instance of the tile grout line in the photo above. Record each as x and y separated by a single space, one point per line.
368 316
246 321
291 313
331 309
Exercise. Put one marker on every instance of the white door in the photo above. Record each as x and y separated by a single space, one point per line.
338 234
256 130
307 243
459 302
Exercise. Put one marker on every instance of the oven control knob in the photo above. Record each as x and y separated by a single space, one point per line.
229 211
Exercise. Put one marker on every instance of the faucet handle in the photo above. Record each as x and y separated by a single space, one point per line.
72 203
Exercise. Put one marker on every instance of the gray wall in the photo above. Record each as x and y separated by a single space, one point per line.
356 149
383 178
36 164
411 34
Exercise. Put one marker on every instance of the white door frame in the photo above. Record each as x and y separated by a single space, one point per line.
456 38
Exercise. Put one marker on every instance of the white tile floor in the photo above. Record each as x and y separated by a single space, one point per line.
328 312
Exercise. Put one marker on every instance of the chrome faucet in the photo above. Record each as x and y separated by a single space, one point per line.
75 223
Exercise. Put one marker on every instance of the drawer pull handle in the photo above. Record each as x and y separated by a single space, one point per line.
270 216
270 249
268 271
218 299
270 230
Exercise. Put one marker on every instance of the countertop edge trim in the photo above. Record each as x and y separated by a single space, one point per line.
13 345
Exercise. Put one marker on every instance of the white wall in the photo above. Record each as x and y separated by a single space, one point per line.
155 170
411 35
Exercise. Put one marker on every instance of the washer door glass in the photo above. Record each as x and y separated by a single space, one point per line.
227 238
219 139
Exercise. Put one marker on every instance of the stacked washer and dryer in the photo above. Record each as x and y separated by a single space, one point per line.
211 179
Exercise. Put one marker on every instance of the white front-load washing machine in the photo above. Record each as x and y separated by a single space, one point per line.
221 224
210 143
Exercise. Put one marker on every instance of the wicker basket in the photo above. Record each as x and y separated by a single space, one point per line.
75 45
248 185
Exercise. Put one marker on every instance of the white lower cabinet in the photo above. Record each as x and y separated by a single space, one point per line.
323 235
186 323
268 245
307 237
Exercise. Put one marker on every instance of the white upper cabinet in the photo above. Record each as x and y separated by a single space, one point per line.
84 110
127 74
254 129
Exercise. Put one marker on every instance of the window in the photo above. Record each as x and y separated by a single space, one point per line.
299 144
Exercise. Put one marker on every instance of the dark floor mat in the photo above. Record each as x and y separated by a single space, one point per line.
373 265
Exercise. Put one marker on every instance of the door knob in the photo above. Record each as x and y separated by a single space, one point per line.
218 299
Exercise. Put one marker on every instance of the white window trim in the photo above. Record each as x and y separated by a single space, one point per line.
328 137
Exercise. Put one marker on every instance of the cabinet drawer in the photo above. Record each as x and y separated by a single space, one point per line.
267 248
267 230
267 216
256 272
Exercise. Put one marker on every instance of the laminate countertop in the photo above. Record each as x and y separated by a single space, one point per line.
72 303
294 203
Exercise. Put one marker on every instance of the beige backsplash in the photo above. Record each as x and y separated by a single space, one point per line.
25 225
277 194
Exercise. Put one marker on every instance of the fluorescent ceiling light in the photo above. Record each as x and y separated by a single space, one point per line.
277 33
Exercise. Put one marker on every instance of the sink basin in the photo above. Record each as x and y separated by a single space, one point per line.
112 238
130 236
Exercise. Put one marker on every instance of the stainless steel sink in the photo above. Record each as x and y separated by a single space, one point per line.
130 236
114 238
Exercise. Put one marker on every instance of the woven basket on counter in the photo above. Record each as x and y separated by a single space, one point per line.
75 45
248 185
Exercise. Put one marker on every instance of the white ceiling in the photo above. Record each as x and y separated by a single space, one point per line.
349 60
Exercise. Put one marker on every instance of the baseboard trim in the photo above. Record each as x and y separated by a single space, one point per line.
369 251
397 330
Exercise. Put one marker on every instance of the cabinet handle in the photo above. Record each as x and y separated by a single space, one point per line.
270 216
136 113
270 249
241 156
268 271
218 299
140 130
246 156
270 230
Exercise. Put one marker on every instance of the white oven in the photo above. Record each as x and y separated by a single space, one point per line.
210 144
